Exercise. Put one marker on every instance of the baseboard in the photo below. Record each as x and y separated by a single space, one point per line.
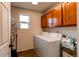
30 50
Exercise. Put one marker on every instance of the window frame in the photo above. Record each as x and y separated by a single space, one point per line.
22 22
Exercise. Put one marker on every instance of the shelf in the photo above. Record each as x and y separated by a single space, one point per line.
67 50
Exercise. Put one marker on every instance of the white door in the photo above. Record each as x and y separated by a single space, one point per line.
4 31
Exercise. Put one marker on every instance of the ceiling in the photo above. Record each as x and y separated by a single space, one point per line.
41 7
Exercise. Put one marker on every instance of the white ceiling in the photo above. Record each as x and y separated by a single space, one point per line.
41 7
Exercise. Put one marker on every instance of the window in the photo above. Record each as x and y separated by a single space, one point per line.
24 21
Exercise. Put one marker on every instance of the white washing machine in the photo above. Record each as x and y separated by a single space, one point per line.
47 46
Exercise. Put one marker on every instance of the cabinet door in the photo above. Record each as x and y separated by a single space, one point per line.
57 16
49 18
44 22
70 13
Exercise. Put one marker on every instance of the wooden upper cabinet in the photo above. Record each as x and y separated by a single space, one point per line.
64 14
57 16
49 18
44 22
69 13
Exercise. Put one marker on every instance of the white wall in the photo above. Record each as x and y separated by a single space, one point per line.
69 31
25 37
